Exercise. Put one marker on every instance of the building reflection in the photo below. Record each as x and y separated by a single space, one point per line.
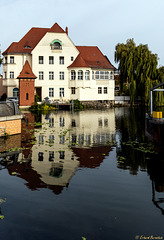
66 142
53 152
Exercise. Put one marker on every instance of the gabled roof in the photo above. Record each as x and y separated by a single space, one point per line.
91 57
56 28
26 72
31 39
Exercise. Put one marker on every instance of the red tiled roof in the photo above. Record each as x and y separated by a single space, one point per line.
26 72
93 57
31 39
56 28
79 62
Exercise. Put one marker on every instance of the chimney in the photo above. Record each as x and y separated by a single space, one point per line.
66 30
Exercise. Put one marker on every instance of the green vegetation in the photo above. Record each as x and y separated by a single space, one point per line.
1 60
41 107
138 71
78 105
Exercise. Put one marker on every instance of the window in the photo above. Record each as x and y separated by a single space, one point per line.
74 139
106 122
72 58
41 139
100 122
40 156
111 75
41 75
62 139
61 60
81 139
51 122
105 90
15 92
62 154
5 75
11 74
80 75
27 96
51 139
41 59
99 90
87 75
93 75
62 122
56 44
5 59
73 123
51 60
11 59
73 91
61 75
101 75
51 92
51 75
106 75
73 75
51 156
61 92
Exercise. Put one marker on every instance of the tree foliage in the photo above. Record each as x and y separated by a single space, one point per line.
138 69
1 59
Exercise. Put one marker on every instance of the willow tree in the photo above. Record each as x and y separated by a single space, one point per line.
137 67
1 61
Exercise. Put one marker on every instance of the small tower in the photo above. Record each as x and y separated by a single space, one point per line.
26 86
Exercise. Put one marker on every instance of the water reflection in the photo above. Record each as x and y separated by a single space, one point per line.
136 153
66 142
53 148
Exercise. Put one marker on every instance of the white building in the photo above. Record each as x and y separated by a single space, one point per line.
64 71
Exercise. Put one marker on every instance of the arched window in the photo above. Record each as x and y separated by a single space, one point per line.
15 92
56 44
80 75
73 75
87 73
27 96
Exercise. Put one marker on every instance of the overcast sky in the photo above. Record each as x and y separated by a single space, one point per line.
102 23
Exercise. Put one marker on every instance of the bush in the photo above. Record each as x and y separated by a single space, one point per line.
78 105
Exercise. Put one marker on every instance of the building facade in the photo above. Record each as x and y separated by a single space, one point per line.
63 71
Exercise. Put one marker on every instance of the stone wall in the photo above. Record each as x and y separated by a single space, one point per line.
99 103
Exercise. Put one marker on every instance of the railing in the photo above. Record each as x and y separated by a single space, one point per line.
12 105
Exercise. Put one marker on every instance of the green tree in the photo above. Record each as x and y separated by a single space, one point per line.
137 67
1 59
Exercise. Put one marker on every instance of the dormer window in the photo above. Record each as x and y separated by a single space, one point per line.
27 47
56 44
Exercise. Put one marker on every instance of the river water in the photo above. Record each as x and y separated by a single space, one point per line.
89 175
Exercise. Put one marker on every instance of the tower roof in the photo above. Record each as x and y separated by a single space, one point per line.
26 72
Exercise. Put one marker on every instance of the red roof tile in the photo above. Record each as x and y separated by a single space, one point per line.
31 39
91 57
79 62
26 72
94 57
56 28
